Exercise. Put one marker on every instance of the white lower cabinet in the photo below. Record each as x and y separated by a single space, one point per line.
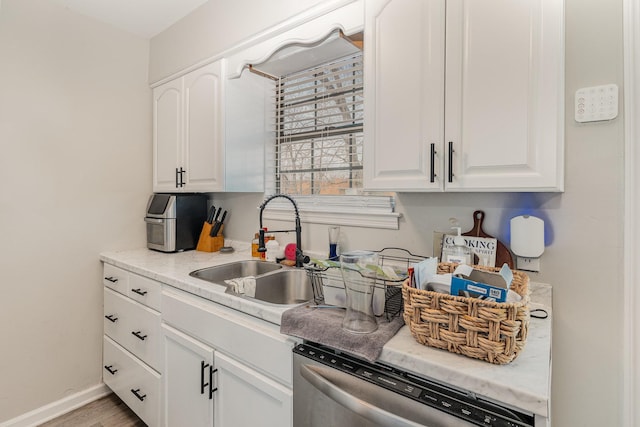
180 360
136 327
247 398
207 388
132 350
133 381
188 371
223 368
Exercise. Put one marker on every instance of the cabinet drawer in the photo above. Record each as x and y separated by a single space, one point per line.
234 333
124 374
133 326
115 278
145 291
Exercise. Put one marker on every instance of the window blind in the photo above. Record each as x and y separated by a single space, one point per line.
319 135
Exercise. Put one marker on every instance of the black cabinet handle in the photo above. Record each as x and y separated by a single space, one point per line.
209 384
433 162
211 389
137 394
110 369
179 177
111 317
203 366
451 161
111 279
139 291
139 335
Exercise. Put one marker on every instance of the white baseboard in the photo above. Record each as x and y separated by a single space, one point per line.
60 407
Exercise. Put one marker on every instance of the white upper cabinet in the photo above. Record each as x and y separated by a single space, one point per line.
167 135
467 97
188 134
404 93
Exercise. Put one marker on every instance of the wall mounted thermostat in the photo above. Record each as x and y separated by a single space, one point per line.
597 103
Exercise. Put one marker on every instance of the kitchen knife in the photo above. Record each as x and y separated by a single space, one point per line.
216 227
212 211
217 214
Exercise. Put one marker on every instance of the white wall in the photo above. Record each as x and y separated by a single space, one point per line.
583 261
75 173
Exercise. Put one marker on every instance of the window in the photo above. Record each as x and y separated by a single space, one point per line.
316 156
319 118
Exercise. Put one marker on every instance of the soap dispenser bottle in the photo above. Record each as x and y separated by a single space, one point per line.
458 252
273 249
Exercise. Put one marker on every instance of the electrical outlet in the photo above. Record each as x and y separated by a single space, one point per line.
528 264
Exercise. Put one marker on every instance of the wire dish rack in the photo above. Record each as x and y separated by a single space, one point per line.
393 266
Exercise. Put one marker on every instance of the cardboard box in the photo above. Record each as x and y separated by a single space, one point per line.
469 282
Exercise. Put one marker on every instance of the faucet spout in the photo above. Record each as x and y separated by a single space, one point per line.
300 257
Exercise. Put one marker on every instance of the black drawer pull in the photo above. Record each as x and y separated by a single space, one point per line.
179 177
139 335
110 369
111 279
451 151
111 317
433 163
139 291
203 366
211 389
136 394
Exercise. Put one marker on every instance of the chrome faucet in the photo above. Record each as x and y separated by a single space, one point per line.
300 257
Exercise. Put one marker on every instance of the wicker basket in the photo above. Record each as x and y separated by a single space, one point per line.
490 331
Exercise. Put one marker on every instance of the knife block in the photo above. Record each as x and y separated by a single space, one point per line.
206 243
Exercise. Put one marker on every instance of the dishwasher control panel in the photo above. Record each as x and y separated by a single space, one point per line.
458 403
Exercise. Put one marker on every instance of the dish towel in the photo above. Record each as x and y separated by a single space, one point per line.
243 285
324 326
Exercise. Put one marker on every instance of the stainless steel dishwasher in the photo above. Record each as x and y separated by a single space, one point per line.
332 389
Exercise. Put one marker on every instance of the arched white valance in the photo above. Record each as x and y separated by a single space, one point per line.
300 35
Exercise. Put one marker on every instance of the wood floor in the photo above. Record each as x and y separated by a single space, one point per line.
106 412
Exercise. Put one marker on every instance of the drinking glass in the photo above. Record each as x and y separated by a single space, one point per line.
359 281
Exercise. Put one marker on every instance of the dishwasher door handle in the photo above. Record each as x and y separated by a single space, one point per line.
349 401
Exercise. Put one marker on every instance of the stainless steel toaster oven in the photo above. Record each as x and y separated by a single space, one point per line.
174 221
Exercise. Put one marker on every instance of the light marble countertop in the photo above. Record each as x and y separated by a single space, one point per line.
524 383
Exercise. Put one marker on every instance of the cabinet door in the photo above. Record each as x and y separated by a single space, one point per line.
186 379
203 133
504 94
247 398
404 94
167 135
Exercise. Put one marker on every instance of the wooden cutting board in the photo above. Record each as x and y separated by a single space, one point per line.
502 252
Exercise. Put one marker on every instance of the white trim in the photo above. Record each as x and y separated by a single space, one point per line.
354 211
58 408
631 332
390 221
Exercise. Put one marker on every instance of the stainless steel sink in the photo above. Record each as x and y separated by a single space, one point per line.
288 286
275 284
219 273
